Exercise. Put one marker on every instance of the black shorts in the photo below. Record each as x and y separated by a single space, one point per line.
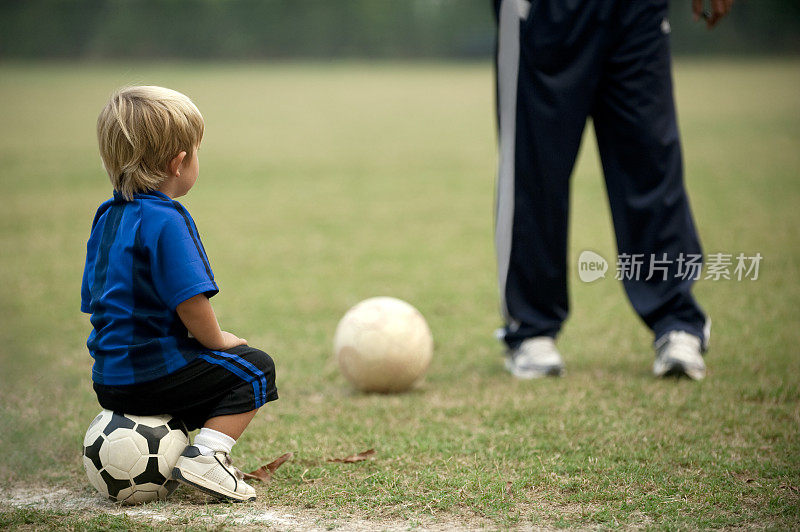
218 383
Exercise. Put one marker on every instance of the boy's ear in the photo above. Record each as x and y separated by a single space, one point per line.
173 167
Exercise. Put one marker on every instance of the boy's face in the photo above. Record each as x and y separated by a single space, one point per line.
189 170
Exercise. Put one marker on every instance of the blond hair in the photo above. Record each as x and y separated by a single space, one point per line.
140 130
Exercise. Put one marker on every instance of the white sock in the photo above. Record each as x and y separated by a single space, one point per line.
208 441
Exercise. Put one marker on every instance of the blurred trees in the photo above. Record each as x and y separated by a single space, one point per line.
258 29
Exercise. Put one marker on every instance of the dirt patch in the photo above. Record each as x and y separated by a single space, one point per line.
229 516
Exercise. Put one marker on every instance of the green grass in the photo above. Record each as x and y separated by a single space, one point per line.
26 518
325 184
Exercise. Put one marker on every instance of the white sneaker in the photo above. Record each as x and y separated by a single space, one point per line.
213 474
535 357
679 353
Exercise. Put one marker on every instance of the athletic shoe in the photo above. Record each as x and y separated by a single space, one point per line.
213 474
535 357
679 353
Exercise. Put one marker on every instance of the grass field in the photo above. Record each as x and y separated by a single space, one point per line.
325 184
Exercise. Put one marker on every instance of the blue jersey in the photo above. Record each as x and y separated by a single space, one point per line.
143 258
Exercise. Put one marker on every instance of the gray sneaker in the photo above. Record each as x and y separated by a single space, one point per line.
213 474
679 353
535 357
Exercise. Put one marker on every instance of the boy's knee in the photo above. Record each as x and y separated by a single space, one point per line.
256 357
263 361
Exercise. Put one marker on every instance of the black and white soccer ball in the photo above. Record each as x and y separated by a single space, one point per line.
129 458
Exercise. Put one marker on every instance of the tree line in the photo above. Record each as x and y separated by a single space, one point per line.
320 29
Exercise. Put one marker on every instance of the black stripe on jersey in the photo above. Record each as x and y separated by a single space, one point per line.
197 244
110 228
145 351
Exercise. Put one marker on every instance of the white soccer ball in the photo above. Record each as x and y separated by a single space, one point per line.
383 344
129 459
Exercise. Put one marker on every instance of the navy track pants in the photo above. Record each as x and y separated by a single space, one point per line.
560 62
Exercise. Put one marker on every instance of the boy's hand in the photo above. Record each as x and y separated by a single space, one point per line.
198 316
230 341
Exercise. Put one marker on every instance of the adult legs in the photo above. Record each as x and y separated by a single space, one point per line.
547 71
637 134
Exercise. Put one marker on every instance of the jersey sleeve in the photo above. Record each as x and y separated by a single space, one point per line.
179 264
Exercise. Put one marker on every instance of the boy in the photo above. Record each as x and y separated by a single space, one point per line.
156 343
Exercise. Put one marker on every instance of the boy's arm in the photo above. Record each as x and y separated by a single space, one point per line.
198 316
